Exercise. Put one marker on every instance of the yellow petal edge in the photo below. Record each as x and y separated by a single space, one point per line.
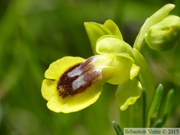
57 68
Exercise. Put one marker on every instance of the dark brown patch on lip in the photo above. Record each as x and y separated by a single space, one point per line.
86 72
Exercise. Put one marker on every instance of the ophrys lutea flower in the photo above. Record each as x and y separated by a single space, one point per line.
73 83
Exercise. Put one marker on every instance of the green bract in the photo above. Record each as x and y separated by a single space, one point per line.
165 34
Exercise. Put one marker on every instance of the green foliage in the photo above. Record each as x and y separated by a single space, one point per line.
117 128
156 115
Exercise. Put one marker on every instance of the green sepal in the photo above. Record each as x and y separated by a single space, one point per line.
112 28
94 31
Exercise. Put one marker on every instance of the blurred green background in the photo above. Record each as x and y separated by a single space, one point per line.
34 33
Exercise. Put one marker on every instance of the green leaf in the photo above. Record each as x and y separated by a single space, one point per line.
155 106
158 123
1 113
117 128
168 105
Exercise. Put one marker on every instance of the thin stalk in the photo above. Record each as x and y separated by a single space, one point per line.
144 107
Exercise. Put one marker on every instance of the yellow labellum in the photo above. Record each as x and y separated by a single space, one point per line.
72 102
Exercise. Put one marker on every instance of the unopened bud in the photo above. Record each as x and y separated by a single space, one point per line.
165 34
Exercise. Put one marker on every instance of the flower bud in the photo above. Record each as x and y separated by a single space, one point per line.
165 34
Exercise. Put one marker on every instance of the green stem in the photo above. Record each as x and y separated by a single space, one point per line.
145 76
144 107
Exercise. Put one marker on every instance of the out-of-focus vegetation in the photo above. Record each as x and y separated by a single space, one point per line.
34 33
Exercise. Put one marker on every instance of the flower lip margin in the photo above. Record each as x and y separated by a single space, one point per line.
54 72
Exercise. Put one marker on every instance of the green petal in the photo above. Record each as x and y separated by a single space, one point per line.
134 71
127 93
115 69
121 70
76 102
57 68
110 44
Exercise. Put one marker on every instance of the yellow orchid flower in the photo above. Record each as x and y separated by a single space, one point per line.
73 83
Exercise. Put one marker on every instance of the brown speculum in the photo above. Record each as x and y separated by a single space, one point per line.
77 79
